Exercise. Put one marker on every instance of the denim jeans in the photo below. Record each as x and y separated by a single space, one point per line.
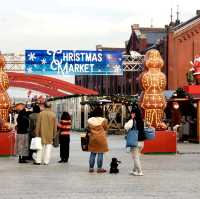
99 160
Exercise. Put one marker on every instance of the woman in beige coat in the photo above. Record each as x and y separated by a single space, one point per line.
98 145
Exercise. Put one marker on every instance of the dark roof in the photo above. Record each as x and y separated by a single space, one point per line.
185 23
153 37
153 34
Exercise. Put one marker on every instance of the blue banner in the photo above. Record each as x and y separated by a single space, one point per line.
68 62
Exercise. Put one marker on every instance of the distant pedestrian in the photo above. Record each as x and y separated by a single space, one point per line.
46 128
136 122
32 127
184 130
22 141
97 126
64 129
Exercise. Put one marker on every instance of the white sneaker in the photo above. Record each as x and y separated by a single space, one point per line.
136 173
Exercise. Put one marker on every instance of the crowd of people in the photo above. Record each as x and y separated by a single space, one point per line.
43 124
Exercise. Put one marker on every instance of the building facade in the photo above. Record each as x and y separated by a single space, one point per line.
140 40
183 45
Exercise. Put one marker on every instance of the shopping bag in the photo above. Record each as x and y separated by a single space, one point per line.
132 138
84 141
36 143
56 141
149 133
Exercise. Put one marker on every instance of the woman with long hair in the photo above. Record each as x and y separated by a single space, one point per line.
136 122
64 127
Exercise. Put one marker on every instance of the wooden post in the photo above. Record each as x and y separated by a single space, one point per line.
198 121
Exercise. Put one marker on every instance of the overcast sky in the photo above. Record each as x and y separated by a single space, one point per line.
81 24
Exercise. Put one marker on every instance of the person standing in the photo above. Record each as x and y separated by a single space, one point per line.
136 122
97 126
46 128
22 141
64 128
32 126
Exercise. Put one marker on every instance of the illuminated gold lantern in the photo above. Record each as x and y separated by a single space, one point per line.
153 84
4 98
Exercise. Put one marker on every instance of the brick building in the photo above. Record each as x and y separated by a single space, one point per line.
178 43
140 40
183 45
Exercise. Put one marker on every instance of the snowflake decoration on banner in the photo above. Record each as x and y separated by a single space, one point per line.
31 56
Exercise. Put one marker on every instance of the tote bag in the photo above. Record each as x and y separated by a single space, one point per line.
149 133
132 138
36 143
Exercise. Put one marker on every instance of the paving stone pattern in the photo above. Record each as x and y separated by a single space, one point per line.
165 176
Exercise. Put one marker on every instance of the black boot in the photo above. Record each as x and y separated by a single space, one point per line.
61 161
22 159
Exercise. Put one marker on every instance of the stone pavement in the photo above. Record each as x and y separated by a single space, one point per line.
165 176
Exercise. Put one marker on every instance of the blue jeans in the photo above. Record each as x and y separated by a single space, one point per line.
99 160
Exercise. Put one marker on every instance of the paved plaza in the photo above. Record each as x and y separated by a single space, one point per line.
165 176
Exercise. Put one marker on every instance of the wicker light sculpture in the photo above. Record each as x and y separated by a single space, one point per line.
5 104
153 84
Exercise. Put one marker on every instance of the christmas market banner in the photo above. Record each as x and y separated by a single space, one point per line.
69 62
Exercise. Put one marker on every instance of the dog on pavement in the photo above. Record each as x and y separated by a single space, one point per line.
114 165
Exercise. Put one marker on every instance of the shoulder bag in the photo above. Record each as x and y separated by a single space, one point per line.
132 138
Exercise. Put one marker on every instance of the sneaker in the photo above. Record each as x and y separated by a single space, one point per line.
132 171
45 163
136 173
91 170
101 170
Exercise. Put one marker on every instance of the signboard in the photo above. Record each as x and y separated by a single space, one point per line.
68 62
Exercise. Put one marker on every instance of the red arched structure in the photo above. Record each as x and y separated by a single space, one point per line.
45 84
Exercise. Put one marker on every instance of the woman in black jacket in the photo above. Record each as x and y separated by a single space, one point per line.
22 142
136 122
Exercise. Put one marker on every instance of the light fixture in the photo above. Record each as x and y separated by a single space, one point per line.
195 105
175 105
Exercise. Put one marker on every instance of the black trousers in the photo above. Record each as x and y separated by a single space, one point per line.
64 147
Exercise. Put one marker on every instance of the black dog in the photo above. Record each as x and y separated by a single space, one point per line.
113 165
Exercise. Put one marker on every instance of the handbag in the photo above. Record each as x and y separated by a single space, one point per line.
36 143
132 138
84 141
56 141
149 133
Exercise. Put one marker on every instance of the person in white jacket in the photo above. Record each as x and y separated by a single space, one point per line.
136 122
